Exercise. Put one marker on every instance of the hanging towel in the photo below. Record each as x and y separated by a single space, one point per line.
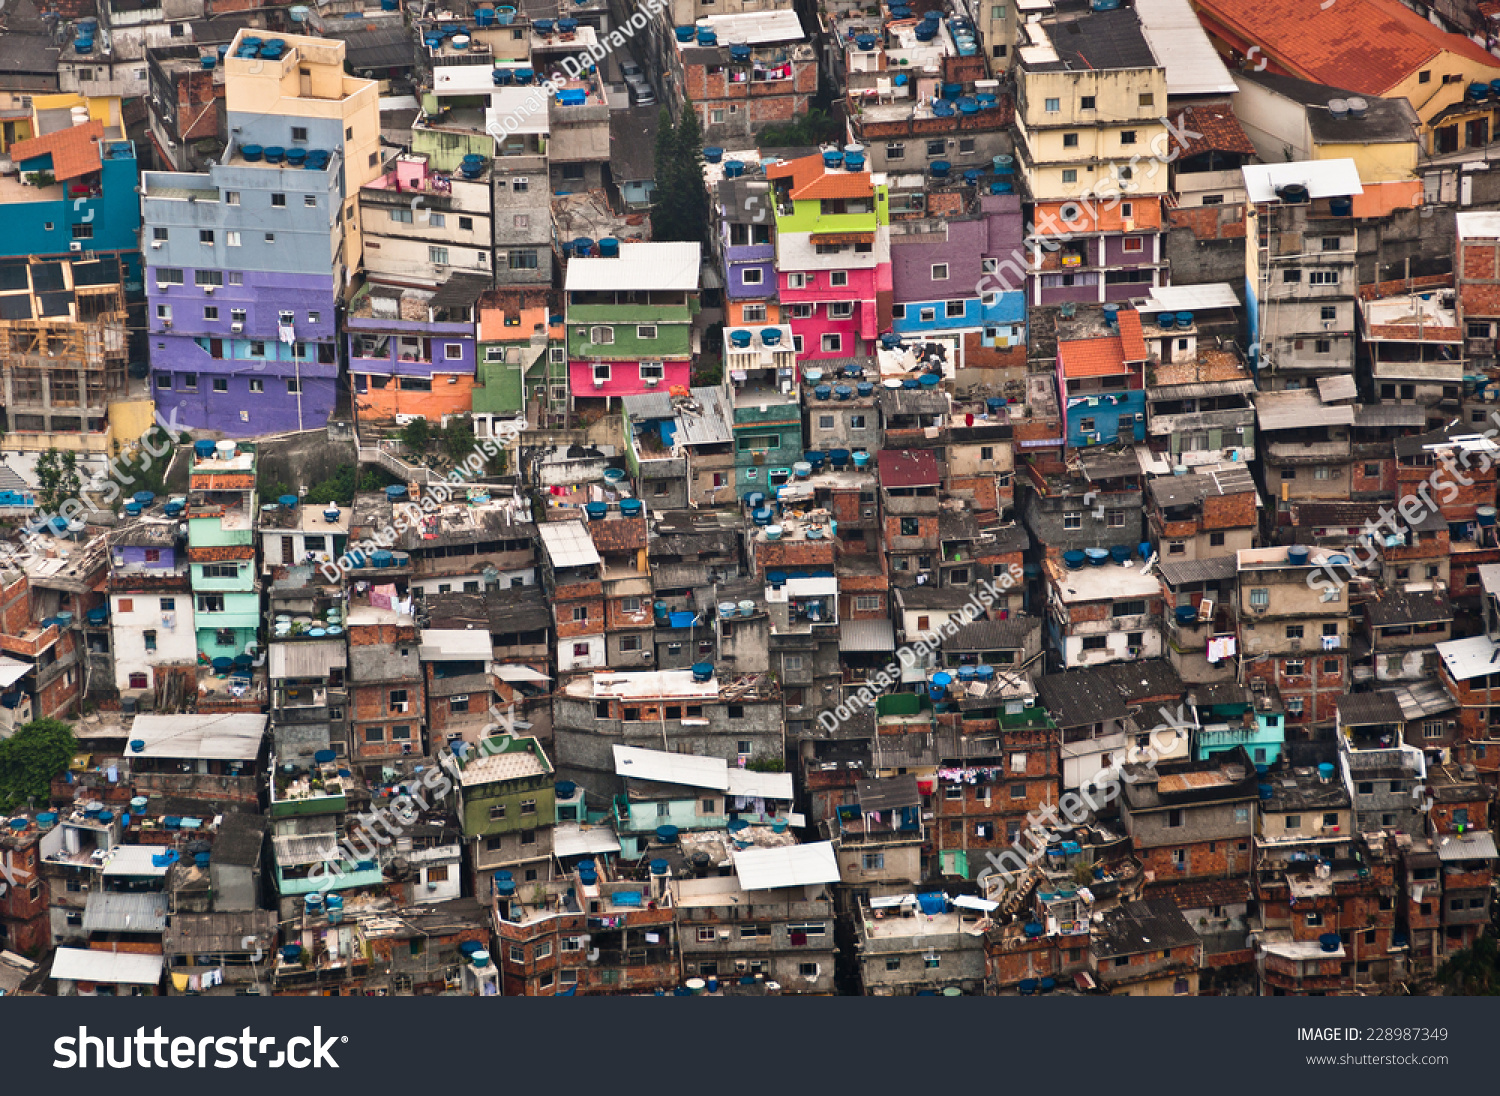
114 774
285 334
179 982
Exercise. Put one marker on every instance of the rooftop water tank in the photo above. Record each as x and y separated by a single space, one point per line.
773 532
703 672
833 160
1166 320
1325 772
940 169
1073 560
484 17
738 52
596 511
839 458
1184 319
823 391
275 154
854 161
734 169
770 336
861 458
1296 555
609 248
842 392
684 34
582 246
666 835
740 339
1096 556
660 867
631 508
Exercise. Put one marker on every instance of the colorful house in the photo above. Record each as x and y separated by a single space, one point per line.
76 192
630 319
521 363
221 551
411 351
746 247
833 254
1101 380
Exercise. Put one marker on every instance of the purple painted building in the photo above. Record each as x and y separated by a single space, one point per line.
412 351
746 246
242 279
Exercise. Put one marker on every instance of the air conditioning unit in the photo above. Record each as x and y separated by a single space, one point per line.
598 382
401 707
155 245
209 289
724 934
75 246
652 382
167 324
1206 609
646 656
742 965
236 328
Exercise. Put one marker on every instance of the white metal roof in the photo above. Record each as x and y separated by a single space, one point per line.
1478 225
508 671
671 768
511 110
567 542
1479 845
642 684
1472 657
789 866
1177 39
666 266
109 967
1323 178
1298 408
11 671
969 902
571 839
1172 298
455 645
135 860
748 782
299 849
307 658
753 28
229 737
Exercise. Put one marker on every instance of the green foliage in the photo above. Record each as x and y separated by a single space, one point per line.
338 487
816 127
459 440
1473 971
140 470
680 211
766 765
58 479
31 757
417 436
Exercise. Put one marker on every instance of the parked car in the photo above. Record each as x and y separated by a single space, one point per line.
641 95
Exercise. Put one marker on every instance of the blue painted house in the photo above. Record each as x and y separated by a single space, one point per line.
1101 373
77 192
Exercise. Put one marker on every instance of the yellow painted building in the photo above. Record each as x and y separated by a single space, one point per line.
1090 108
267 99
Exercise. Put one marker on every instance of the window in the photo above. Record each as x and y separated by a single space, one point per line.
211 312
1070 175
1053 106
940 272
1127 137
873 861
1073 520
1147 99
221 384
1322 277
403 216
1260 597
832 344
652 371
232 197
756 313
1424 77
270 237
278 201
257 384
838 279
601 336
840 310
83 232
953 309
497 813
752 275
1070 140
438 255
208 277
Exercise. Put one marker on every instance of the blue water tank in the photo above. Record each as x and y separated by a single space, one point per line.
631 508
659 867
940 169
596 511
609 248
703 672
666 835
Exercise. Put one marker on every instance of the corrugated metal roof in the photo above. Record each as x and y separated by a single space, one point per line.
711 424
748 782
1323 178
568 544
1337 387
1478 845
867 635
230 737
1390 414
1174 298
1472 657
1362 709
908 468
671 768
507 671
220 933
109 967
672 267
569 839
306 659
1297 409
1216 569
1180 44
118 911
296 850
791 866
455 645
756 28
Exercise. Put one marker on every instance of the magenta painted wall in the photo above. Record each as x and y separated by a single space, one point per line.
624 378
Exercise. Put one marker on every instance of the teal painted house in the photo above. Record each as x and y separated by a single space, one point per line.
221 549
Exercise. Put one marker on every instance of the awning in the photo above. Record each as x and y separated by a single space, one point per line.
12 671
507 671
969 902
1083 980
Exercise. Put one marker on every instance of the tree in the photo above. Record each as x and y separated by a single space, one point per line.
417 436
816 127
57 480
1473 971
459 440
31 757
681 210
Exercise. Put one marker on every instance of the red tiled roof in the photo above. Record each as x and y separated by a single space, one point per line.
1217 129
1132 343
908 468
1092 357
810 180
1368 46
74 151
